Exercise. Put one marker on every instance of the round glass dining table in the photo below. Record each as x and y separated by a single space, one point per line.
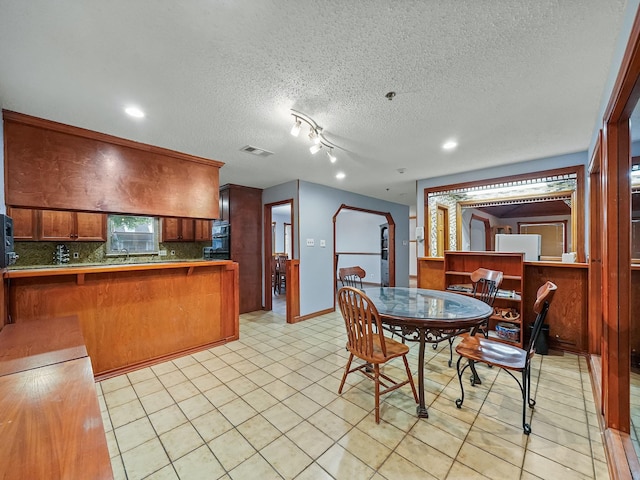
426 316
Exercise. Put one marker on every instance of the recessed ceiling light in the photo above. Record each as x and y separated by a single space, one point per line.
340 175
134 112
449 145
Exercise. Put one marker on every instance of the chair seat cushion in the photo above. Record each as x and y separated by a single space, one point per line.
492 352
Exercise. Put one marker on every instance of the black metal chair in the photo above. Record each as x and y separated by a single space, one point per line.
510 358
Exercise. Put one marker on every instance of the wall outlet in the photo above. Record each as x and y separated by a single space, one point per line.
310 242
162 253
76 255
173 252
323 243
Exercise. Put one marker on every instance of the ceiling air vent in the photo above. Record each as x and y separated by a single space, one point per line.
260 152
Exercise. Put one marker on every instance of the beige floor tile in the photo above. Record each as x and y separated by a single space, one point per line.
120 396
259 432
184 362
496 446
115 383
314 472
347 411
260 377
548 469
140 375
156 401
285 457
556 434
227 374
329 423
320 394
172 378
342 465
148 386
279 390
167 419
231 449
145 459
397 467
220 395
437 438
118 468
125 413
486 464
133 434
302 404
282 417
310 439
383 432
237 411
260 399
195 406
460 471
199 464
370 451
561 454
181 440
424 456
182 391
206 382
255 467
241 385
165 473
211 425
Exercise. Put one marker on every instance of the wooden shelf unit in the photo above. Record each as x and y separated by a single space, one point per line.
457 271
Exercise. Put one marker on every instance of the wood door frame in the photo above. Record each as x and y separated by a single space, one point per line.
615 234
392 243
487 231
268 251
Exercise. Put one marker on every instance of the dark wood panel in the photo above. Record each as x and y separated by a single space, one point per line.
51 425
41 343
132 316
245 220
567 317
55 166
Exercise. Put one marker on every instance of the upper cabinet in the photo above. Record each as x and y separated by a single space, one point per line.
203 230
178 229
24 223
56 225
224 204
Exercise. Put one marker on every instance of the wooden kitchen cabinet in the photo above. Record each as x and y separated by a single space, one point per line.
58 225
24 223
203 230
178 229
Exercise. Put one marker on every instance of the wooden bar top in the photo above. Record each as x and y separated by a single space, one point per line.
56 270
40 343
51 425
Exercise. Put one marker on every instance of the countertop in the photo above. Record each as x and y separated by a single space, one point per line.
84 268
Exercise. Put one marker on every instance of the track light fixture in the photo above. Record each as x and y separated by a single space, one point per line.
295 130
315 134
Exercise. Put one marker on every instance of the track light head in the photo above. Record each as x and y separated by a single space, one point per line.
331 156
315 148
295 130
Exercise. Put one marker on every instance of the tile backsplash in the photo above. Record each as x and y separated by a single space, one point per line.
42 253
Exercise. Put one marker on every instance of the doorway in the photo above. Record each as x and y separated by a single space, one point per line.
279 245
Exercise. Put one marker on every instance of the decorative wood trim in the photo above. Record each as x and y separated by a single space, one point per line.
312 315
292 268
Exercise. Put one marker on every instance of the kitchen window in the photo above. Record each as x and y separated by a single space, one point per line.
129 235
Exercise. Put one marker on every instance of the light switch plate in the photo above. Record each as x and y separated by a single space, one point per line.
310 242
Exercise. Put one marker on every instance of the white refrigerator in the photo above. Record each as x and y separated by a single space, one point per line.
530 244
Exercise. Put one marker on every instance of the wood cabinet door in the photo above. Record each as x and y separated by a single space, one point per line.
170 229
24 223
91 227
224 205
187 230
203 230
57 225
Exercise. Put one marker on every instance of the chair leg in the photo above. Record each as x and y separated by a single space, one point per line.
410 377
525 393
376 370
346 372
531 401
450 351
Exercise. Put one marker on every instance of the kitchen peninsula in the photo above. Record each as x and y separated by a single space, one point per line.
132 315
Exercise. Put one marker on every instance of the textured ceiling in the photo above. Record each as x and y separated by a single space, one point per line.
510 80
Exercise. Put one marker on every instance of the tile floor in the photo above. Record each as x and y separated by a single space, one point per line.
266 407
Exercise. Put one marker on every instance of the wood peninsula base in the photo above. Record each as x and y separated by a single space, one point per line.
133 315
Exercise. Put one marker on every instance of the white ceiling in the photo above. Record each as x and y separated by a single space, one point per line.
510 80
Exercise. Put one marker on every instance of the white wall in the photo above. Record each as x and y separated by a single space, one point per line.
359 232
280 221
